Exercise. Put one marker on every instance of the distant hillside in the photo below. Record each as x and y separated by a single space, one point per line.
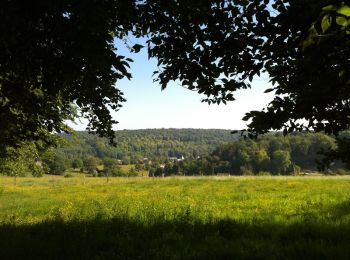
158 144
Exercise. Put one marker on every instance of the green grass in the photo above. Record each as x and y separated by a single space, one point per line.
175 218
126 168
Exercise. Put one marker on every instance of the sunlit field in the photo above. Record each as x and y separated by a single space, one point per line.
175 218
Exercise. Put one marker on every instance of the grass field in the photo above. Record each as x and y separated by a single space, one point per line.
175 218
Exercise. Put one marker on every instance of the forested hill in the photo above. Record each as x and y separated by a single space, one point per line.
155 144
177 152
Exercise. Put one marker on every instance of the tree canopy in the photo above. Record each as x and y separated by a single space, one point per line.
58 59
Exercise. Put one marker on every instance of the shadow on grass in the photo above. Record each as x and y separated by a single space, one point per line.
125 239
341 210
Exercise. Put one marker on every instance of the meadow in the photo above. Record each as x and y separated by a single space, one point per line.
175 218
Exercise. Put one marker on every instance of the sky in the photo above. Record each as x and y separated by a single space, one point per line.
147 106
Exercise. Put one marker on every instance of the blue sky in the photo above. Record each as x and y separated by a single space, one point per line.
176 107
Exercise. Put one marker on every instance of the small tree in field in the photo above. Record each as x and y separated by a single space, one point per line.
90 164
112 167
77 163
132 172
56 162
20 162
281 161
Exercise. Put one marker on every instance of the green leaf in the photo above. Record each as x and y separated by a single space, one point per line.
329 8
342 21
325 23
344 10
309 40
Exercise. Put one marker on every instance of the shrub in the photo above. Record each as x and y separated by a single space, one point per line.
264 173
90 164
295 169
245 171
112 168
132 172
39 170
21 161
341 172
77 163
56 166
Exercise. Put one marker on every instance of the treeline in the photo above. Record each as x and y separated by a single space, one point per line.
270 154
164 152
154 144
83 151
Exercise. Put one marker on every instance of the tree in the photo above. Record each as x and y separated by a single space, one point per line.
90 164
132 172
307 61
280 161
158 172
56 56
55 161
61 56
341 151
261 160
21 161
112 167
77 163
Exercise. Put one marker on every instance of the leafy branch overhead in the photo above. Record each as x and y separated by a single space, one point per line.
58 59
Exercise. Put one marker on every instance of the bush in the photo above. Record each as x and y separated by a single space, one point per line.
245 171
55 166
39 170
68 175
112 168
151 172
77 163
90 164
264 173
21 161
295 169
341 172
132 172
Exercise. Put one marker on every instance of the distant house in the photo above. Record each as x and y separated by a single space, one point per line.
145 160
180 158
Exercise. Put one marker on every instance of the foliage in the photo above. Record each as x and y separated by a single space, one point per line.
205 152
55 162
306 59
263 173
77 163
112 167
340 152
69 60
68 175
132 172
280 161
60 54
21 161
154 144
90 164
275 153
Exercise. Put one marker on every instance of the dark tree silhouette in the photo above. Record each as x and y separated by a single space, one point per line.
58 60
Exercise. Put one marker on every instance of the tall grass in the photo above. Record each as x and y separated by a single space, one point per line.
176 218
